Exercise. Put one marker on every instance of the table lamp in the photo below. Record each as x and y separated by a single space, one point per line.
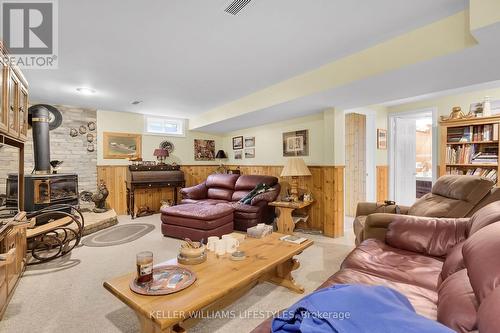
161 154
295 167
221 155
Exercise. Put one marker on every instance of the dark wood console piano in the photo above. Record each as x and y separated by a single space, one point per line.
152 176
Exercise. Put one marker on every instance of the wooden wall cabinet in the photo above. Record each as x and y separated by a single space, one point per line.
13 101
4 82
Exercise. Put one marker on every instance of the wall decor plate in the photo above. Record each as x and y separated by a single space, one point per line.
73 132
90 137
91 125
90 147
167 279
82 129
168 146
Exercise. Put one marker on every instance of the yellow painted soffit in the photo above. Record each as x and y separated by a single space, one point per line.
437 39
484 13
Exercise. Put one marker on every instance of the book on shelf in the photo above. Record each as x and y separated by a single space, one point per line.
475 133
483 172
471 154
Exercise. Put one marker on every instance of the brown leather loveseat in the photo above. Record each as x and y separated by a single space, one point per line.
223 188
451 196
448 268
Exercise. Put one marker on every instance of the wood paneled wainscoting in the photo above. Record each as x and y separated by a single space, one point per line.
326 184
382 183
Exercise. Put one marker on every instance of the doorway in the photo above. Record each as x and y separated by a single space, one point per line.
360 149
412 154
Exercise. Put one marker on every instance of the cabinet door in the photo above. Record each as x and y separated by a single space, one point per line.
23 112
13 104
4 84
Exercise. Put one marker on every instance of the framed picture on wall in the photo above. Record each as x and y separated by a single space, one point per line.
250 153
238 155
204 150
381 138
237 142
296 143
121 145
249 141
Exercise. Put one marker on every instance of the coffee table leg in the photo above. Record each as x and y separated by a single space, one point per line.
282 276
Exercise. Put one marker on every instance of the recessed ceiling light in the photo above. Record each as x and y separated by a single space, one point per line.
86 91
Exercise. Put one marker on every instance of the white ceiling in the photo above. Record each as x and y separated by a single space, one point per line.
184 57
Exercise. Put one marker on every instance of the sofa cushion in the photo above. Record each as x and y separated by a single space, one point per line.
196 223
199 212
464 188
248 182
379 259
238 195
489 320
220 194
221 181
423 300
457 304
454 261
427 235
481 259
437 206
452 196
486 216
203 201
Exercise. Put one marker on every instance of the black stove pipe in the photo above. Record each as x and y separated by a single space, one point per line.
41 139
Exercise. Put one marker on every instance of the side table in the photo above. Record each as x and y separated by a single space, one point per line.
285 220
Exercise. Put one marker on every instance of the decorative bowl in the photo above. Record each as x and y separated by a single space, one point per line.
190 252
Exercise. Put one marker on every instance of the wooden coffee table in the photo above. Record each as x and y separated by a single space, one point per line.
220 282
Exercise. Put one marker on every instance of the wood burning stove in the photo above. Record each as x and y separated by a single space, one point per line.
42 188
41 191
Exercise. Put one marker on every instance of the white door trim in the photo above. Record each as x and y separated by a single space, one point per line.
410 114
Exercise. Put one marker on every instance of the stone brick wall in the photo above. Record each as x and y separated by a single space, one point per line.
71 150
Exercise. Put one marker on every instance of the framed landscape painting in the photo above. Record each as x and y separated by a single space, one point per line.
121 145
296 143
204 150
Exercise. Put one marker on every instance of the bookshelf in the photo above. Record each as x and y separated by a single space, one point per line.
470 146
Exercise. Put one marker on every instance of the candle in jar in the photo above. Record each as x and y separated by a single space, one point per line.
144 266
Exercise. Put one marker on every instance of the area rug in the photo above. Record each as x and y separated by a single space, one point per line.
118 235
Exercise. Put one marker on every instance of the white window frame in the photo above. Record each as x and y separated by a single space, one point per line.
181 124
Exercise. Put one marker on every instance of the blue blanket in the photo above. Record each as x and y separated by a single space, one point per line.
355 309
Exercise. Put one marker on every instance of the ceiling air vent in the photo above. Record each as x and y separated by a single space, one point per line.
236 6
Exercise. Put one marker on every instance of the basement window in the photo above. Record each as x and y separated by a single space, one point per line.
165 126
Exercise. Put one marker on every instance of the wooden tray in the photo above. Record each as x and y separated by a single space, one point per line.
161 277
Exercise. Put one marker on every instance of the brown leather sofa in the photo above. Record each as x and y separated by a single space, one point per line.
451 196
222 188
448 268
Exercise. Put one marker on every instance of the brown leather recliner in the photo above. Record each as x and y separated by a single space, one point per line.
448 268
451 196
222 188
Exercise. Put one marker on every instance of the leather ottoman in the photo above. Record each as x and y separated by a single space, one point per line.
196 222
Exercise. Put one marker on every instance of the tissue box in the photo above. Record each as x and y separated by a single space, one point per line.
260 231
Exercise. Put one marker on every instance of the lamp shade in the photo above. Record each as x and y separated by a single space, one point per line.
220 154
295 167
160 153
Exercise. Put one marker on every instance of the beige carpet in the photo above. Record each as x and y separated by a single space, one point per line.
66 295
